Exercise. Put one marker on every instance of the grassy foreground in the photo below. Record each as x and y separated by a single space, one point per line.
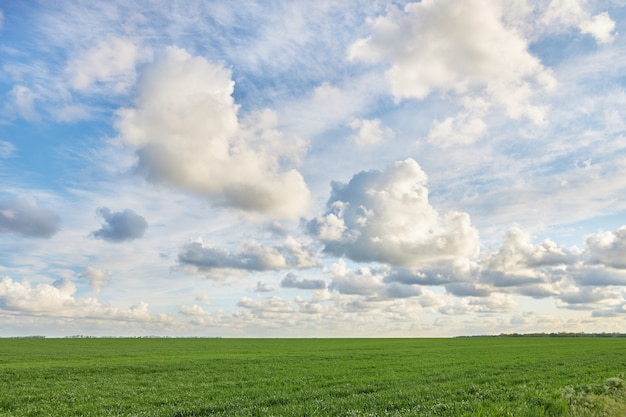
313 377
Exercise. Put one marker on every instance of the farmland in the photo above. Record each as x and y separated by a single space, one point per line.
313 377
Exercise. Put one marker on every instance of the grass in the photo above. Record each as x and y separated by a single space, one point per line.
313 377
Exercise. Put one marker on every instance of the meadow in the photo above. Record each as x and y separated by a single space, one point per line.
313 377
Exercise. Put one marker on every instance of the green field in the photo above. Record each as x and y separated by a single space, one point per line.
313 377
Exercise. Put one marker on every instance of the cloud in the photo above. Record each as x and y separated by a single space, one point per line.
96 277
23 99
58 300
517 254
607 248
494 303
369 282
463 129
6 149
110 63
521 267
249 256
24 217
464 48
120 226
386 217
370 132
271 307
44 298
263 287
563 14
186 132
194 310
292 281
298 255
252 257
598 275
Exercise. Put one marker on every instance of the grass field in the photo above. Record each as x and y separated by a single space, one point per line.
313 377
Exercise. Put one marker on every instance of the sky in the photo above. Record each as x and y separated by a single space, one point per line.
312 169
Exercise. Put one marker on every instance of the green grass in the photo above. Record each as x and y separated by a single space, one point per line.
313 377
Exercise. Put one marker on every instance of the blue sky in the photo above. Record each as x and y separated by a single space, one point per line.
358 168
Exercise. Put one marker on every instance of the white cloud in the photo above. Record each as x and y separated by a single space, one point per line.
607 248
58 300
110 63
386 217
23 101
187 134
468 49
193 310
299 255
463 129
600 26
494 303
571 13
96 277
456 47
370 132
6 149
268 307
517 254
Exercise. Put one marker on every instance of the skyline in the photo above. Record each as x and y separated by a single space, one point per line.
369 168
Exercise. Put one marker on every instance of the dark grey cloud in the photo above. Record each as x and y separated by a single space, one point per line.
26 218
120 226
292 281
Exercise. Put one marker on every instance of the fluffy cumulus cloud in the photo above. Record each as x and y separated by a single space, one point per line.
607 248
386 217
465 48
120 226
187 133
520 263
58 299
24 217
42 298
